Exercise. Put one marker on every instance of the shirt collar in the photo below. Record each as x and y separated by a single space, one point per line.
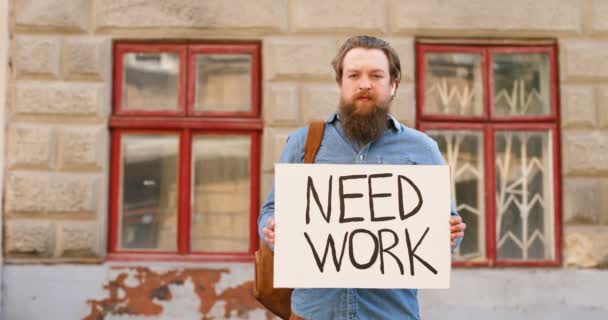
394 124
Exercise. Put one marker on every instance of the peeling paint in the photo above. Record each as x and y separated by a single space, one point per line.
139 291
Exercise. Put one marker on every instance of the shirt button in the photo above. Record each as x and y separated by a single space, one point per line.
361 157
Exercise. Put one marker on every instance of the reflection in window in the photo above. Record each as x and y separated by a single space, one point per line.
148 215
453 84
223 82
524 198
521 84
150 81
221 193
463 152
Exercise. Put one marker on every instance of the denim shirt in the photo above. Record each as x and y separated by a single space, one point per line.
398 145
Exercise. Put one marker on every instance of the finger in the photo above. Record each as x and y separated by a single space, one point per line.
455 220
270 240
268 233
269 237
452 243
457 235
271 223
458 227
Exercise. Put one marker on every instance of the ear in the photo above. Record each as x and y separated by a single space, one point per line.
394 86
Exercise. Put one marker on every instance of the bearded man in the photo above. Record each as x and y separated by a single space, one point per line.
368 72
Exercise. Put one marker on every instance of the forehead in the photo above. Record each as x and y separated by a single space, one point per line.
362 58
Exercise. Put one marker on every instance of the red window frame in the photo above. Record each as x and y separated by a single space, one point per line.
185 123
488 123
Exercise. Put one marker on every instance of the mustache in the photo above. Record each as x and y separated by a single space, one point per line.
363 94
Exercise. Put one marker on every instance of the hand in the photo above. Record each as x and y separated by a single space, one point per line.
456 229
269 231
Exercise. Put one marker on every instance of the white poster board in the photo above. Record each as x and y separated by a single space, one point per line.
362 226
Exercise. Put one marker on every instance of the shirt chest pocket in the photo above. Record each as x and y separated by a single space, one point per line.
396 160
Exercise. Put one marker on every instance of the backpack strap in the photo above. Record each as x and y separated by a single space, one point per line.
313 140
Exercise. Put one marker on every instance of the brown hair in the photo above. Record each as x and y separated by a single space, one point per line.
368 42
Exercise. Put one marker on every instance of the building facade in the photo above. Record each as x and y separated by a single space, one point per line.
139 141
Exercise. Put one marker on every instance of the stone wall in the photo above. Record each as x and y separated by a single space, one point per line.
56 171
4 42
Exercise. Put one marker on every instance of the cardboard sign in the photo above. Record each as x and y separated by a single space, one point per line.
362 226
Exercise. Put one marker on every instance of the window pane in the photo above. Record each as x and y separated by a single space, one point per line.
522 84
221 193
223 82
148 215
150 81
453 84
524 195
463 152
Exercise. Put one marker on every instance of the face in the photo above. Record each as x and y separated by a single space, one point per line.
365 82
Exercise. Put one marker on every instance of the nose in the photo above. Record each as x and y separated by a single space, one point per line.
365 83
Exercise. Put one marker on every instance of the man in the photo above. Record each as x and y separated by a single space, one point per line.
362 132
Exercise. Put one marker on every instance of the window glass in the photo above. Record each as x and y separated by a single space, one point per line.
223 82
221 193
463 152
524 198
148 211
522 84
453 84
150 81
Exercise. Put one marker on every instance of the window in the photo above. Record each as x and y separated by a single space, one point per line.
186 130
493 110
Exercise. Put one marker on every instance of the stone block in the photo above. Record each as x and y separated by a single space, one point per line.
86 58
82 147
403 107
53 193
319 101
603 209
299 57
71 15
548 15
584 59
602 107
282 103
599 12
78 238
37 56
57 98
72 193
274 142
211 14
582 201
585 152
26 192
34 237
578 107
363 15
586 247
30 145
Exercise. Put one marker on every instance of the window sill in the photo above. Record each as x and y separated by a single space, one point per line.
505 263
174 257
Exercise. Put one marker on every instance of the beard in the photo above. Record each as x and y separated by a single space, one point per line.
364 127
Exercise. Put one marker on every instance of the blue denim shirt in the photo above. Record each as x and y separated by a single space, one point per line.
398 145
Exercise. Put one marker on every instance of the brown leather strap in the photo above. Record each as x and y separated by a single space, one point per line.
313 140
295 317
